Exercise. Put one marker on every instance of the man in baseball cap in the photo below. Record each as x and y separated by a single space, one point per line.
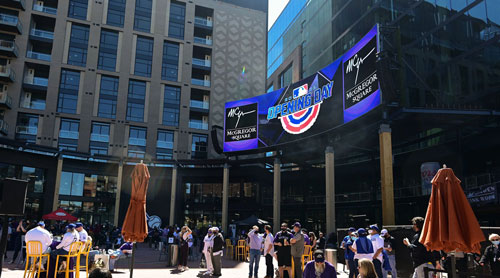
378 247
319 267
83 235
297 249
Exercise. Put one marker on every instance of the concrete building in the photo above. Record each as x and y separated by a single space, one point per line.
89 87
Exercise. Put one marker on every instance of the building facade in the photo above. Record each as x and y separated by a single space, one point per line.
87 87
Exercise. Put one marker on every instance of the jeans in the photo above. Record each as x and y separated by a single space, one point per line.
392 262
112 261
378 267
254 262
353 269
297 263
217 263
419 271
269 265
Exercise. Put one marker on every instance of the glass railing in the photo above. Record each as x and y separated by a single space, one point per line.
44 9
6 71
99 137
200 82
9 19
68 134
198 125
8 45
38 105
201 62
137 141
31 130
4 126
165 144
42 34
199 104
202 41
38 56
203 21
5 99
39 81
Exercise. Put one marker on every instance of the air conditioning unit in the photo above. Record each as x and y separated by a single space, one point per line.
208 38
209 18
3 88
204 119
30 76
206 77
26 100
39 3
207 57
206 98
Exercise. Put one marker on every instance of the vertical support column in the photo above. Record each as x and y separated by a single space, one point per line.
119 181
387 182
173 192
225 198
330 190
55 205
277 195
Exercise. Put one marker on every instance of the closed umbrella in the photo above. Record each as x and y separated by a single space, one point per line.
450 224
135 227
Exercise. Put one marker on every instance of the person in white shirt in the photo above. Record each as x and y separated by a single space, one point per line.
83 235
69 237
378 247
40 234
208 242
269 251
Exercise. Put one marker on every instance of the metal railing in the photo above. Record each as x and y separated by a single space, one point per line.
38 56
31 130
7 72
203 21
201 62
5 99
11 20
198 125
39 81
9 45
202 41
200 82
199 104
42 33
99 137
165 144
44 9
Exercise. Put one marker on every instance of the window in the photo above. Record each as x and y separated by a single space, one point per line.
99 139
286 77
136 100
143 56
78 44
27 127
270 89
137 142
116 12
68 134
71 184
170 63
165 144
78 9
142 17
68 91
199 146
171 105
107 97
176 20
108 48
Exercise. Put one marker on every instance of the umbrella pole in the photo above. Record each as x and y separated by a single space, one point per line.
453 265
132 260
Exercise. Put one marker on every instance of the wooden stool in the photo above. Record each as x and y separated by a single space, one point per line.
34 251
74 252
84 252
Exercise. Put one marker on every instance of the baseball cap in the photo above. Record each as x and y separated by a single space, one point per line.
361 232
374 227
78 225
71 226
352 229
41 223
383 232
319 257
297 224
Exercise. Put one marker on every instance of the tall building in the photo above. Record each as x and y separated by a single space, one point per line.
87 88
439 70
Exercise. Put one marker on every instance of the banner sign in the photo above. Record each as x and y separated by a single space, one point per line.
329 98
484 195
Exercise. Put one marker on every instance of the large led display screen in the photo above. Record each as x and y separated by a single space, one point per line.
339 93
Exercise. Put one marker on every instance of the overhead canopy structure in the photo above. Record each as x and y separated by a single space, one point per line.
250 221
60 215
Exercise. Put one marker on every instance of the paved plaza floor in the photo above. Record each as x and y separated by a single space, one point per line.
147 265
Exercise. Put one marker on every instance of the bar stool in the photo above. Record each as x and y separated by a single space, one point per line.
34 251
306 256
85 250
74 252
230 248
240 249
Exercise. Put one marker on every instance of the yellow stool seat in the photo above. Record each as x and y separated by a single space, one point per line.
35 254
74 251
84 252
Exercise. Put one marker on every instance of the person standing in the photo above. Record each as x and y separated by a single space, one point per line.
184 248
255 241
312 239
307 240
362 247
208 243
378 247
81 232
367 269
269 251
491 255
420 256
17 238
216 251
349 256
318 268
282 242
297 251
321 241
391 253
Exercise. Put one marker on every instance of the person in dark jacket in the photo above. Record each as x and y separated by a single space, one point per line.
491 255
420 256
319 267
216 251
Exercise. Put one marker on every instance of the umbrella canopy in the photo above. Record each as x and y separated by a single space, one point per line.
60 215
252 220
135 227
450 223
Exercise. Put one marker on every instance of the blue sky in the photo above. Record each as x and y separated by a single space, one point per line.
275 8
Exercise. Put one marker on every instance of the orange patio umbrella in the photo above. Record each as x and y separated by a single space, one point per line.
450 223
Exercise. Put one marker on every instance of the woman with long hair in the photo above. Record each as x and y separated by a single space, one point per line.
366 269
312 238
184 248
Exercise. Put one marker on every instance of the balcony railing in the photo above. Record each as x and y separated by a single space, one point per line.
165 144
38 56
200 82
203 21
5 99
44 9
6 71
4 127
68 134
38 81
8 46
201 62
199 104
30 130
99 137
137 142
42 34
202 41
198 125
10 20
